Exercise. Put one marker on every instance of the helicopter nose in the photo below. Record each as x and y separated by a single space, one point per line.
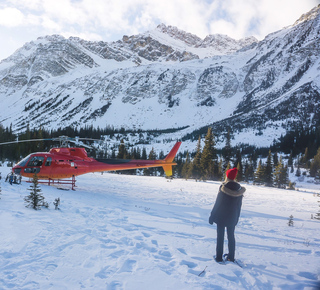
17 170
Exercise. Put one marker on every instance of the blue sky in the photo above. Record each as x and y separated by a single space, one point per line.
22 21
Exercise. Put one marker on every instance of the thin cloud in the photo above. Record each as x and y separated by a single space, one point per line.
11 17
110 20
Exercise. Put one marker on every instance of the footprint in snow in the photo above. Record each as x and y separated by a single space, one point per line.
189 264
182 251
114 285
128 265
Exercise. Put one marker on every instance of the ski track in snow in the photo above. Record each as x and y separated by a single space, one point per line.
135 232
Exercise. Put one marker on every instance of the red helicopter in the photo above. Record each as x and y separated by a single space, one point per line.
66 162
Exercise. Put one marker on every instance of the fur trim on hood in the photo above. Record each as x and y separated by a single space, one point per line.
232 192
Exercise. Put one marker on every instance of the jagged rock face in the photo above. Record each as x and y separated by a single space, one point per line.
160 79
285 56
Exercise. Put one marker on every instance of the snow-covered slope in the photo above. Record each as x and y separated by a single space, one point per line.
168 78
136 232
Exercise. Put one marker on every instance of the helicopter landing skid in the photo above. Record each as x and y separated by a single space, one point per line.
50 181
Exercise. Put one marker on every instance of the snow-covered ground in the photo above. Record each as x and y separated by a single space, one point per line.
136 232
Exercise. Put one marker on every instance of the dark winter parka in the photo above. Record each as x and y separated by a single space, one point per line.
226 210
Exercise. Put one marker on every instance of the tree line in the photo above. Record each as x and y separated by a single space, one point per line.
207 163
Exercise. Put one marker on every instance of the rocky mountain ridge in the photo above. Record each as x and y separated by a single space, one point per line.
168 78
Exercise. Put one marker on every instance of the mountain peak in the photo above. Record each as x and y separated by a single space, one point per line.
312 14
174 32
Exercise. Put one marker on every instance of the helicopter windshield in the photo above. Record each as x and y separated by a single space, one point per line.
36 161
24 161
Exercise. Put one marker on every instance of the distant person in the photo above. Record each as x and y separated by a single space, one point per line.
11 178
226 212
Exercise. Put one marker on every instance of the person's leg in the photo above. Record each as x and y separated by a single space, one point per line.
231 242
220 241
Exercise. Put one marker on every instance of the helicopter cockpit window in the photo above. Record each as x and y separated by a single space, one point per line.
36 161
48 161
24 161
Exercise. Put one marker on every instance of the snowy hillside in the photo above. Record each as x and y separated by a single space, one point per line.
168 79
135 232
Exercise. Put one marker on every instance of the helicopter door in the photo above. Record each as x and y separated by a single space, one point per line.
34 164
47 166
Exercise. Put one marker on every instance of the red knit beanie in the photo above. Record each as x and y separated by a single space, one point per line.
232 173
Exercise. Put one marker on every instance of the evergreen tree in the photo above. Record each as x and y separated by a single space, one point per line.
304 158
227 150
246 171
238 164
35 199
219 172
185 172
315 164
275 159
249 170
144 153
56 203
208 156
122 152
269 171
259 173
281 175
290 160
196 165
152 156
239 174
290 221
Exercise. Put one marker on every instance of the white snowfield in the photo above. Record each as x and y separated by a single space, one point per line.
135 232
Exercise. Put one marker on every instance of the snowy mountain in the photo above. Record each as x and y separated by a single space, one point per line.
168 78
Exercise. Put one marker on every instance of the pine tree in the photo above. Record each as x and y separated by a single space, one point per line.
304 158
290 160
185 172
239 174
275 159
315 164
208 156
249 170
281 175
298 172
122 150
35 199
219 173
246 171
259 173
144 153
227 150
238 164
196 165
269 171
152 156
56 203
290 221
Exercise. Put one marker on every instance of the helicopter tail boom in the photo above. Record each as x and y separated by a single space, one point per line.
169 159
172 153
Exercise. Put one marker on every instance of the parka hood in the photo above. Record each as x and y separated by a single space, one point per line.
232 188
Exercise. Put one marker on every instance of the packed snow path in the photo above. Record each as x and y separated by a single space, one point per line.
135 232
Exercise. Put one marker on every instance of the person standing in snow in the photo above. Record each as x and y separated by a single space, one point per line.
226 212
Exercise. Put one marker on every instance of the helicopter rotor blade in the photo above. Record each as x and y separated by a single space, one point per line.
21 141
64 140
